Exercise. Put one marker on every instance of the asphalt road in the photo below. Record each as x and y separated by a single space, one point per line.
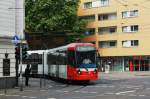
108 87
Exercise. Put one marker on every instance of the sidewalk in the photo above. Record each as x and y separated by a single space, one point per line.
124 75
34 85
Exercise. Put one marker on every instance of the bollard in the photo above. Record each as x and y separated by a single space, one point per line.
5 85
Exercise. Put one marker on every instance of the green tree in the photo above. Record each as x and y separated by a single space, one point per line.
48 16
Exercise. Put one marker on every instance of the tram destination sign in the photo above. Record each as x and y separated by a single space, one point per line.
85 48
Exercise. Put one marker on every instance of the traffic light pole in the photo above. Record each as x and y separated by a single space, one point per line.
21 76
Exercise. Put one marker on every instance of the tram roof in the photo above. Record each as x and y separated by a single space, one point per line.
61 48
36 51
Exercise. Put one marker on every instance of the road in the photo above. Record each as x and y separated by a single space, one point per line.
108 87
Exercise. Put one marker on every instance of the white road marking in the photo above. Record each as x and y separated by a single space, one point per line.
65 91
62 91
2 94
51 98
50 86
147 88
118 93
87 96
93 92
24 96
32 97
103 86
132 95
77 91
141 95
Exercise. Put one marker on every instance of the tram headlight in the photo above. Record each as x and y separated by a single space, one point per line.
79 72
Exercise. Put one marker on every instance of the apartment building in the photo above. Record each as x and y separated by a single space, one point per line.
11 24
121 31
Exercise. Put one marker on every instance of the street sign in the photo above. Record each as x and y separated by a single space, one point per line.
16 40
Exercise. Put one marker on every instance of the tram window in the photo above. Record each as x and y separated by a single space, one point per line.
71 58
51 59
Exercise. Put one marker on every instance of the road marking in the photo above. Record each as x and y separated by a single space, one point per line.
93 92
87 96
76 91
24 96
147 88
118 93
65 91
2 94
51 98
32 97
103 86
136 88
132 95
141 95
50 86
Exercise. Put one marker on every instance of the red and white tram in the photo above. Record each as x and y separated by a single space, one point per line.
75 61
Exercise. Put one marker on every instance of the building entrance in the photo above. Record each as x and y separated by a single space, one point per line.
139 65
128 63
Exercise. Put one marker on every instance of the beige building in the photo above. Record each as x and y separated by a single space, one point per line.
121 31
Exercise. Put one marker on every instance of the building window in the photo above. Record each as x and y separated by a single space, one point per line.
97 3
108 16
104 2
127 14
88 18
88 5
107 30
90 31
130 43
108 44
132 28
134 42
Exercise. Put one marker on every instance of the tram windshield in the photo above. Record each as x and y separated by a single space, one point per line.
86 57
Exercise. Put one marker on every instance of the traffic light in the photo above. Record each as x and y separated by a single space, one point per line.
17 53
24 52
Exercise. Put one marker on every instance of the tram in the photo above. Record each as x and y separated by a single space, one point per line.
75 61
